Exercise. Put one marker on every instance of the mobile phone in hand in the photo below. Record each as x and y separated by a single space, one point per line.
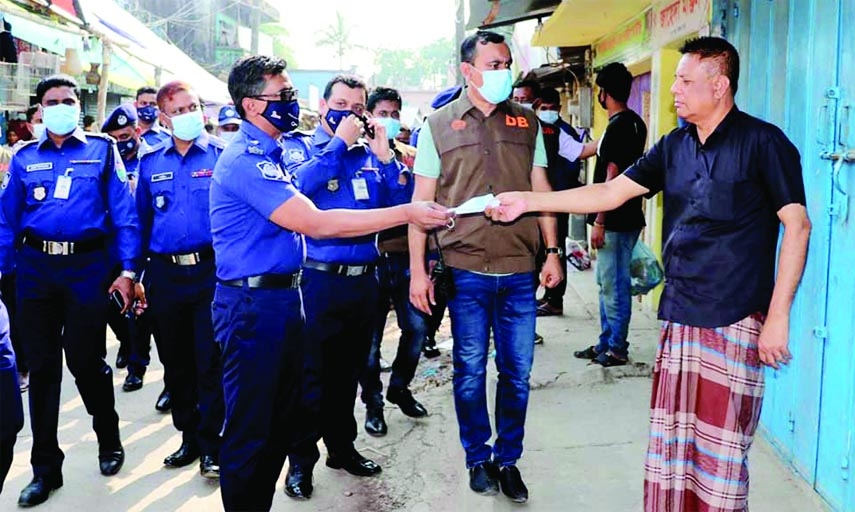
369 130
117 300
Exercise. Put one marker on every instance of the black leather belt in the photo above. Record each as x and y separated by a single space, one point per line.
266 281
63 248
193 258
342 270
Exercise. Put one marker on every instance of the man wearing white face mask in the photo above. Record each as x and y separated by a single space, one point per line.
228 123
172 201
478 144
65 203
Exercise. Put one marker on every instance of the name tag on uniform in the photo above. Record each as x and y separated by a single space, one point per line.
44 166
63 187
360 189
202 173
163 176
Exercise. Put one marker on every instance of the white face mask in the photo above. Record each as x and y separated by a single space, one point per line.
38 130
61 119
527 105
228 136
548 116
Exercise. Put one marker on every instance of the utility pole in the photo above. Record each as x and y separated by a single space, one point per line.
459 36
254 22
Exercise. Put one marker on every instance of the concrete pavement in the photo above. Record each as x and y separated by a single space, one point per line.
585 441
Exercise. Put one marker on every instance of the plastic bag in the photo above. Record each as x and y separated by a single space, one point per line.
644 269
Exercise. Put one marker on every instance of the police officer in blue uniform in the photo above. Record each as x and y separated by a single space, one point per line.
339 281
228 123
257 217
66 197
134 334
172 202
11 407
147 113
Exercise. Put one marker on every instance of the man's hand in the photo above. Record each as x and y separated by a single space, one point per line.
141 303
349 130
125 285
421 293
551 274
427 214
774 338
379 144
598 237
510 206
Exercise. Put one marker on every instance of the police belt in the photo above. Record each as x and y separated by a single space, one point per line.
64 248
266 281
193 258
342 270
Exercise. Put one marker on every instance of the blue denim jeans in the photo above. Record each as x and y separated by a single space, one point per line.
393 273
506 304
615 298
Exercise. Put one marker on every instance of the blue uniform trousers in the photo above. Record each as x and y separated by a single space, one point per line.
340 314
180 304
260 333
393 272
62 305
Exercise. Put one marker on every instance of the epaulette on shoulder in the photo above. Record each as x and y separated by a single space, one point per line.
151 149
21 144
100 136
298 133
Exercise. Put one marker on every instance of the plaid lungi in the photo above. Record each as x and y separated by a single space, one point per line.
707 395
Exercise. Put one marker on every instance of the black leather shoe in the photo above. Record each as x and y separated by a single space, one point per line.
298 483
38 490
483 479
353 463
121 360
209 466
164 401
512 484
375 424
429 350
132 382
403 398
184 456
110 462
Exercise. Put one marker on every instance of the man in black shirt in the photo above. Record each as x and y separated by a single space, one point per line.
729 181
614 233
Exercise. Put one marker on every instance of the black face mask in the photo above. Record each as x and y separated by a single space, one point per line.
127 147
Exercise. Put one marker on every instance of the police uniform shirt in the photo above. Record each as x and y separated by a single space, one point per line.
335 176
155 135
173 195
249 184
65 194
7 353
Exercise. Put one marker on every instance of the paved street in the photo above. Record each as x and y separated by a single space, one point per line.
585 441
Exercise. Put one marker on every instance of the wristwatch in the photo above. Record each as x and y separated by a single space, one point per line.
555 250
130 274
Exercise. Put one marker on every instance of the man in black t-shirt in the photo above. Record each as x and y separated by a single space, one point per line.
614 233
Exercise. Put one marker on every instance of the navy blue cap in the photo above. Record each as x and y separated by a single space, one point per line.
446 96
228 115
123 116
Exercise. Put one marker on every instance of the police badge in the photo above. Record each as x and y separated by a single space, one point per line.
296 155
159 202
39 193
332 185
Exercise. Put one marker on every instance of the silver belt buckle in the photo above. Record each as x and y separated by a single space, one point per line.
186 259
56 248
354 271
